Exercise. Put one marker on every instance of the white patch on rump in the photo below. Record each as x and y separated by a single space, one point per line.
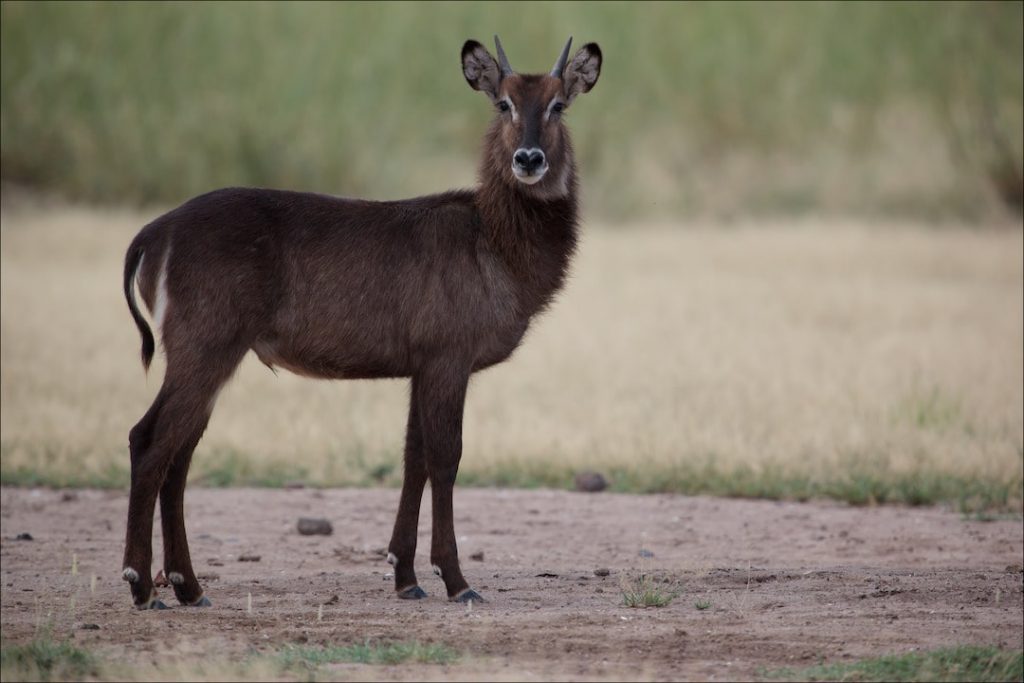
160 305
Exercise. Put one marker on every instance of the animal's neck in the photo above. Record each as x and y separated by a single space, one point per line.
533 229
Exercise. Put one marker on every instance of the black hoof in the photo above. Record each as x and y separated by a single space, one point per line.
468 595
412 593
155 603
203 601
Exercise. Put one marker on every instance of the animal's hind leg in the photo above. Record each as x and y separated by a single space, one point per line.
177 562
146 473
162 445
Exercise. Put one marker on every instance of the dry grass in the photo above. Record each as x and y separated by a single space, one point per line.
795 349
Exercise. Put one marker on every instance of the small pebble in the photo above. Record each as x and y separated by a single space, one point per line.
645 553
602 571
249 558
312 526
24 536
478 556
90 627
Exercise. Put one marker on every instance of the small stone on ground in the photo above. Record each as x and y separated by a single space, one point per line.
314 526
591 482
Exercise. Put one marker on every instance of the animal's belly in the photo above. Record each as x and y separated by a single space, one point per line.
328 363
360 353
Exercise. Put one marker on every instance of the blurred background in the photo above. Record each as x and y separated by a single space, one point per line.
800 274
703 109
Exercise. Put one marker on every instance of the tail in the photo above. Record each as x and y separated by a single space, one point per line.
132 261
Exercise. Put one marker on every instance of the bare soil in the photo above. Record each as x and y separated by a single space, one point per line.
789 584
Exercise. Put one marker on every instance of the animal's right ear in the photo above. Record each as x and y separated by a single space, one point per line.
480 69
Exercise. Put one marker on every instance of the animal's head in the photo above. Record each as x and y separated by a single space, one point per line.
529 138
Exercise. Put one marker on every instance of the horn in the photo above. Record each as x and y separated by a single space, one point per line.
560 64
506 70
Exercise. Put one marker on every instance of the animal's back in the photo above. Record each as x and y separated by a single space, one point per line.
322 285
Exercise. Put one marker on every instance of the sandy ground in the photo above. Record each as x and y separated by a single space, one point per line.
789 584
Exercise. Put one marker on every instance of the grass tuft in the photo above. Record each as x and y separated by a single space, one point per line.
965 663
45 659
368 653
642 591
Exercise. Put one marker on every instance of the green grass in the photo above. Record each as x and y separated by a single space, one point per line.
368 653
966 663
702 107
643 591
977 497
702 605
45 659
868 482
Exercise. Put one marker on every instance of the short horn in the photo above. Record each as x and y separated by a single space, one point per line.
506 69
560 64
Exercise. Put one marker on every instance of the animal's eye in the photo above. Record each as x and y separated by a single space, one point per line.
503 105
558 107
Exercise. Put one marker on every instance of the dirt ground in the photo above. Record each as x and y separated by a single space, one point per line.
789 584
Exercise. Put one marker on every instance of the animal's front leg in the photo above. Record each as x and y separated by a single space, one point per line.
441 397
444 554
402 549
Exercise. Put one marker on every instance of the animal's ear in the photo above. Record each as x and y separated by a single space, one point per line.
480 69
582 71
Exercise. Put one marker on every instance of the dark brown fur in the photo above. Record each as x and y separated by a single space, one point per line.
432 288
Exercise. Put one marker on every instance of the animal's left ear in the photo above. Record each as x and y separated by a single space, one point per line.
581 73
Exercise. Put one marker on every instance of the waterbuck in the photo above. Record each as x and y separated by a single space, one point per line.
432 288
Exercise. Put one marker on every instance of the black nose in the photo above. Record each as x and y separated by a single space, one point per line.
528 160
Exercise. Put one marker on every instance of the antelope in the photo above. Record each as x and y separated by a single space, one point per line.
433 288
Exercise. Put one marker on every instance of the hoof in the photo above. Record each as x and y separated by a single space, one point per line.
468 595
412 593
155 603
203 601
